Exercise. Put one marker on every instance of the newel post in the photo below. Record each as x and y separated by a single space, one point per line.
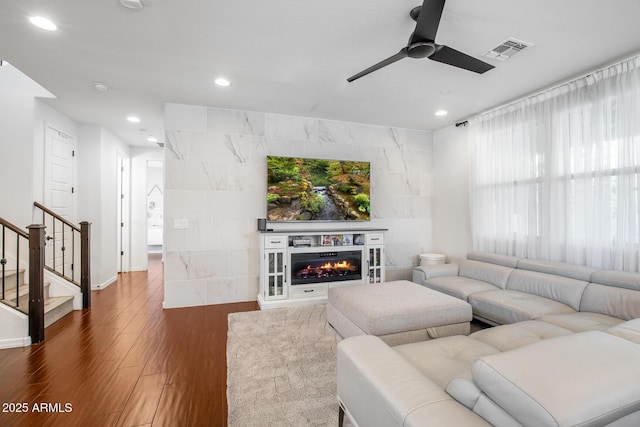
85 263
36 282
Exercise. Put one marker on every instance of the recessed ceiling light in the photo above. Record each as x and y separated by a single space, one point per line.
131 4
42 22
441 113
133 119
100 87
222 82
152 139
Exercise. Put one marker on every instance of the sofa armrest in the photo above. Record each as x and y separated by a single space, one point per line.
590 378
378 387
423 273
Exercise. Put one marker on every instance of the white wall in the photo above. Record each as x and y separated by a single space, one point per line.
17 106
452 232
97 198
139 190
215 172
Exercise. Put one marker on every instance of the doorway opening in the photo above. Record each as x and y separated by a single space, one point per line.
155 203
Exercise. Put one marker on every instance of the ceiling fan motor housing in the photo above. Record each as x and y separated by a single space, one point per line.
421 49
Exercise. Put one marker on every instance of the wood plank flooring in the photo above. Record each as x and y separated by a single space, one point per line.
124 362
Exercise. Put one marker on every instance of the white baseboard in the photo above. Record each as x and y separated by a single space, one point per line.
105 284
15 342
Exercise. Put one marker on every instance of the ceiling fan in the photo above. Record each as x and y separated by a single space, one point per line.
422 43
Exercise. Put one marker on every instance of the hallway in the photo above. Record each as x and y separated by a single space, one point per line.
124 362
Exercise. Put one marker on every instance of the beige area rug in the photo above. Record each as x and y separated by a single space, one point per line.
281 368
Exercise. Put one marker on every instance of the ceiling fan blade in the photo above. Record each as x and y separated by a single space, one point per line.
458 59
428 21
390 60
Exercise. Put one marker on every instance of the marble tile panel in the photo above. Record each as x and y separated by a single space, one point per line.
410 230
219 234
193 265
174 239
185 117
361 134
426 184
259 150
177 145
178 293
220 147
398 273
393 160
222 291
384 184
330 150
236 205
236 289
184 204
238 122
401 254
291 127
250 178
285 147
419 140
392 207
244 262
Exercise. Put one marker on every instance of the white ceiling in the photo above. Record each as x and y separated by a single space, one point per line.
293 56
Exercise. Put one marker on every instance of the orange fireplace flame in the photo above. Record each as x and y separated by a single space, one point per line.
340 265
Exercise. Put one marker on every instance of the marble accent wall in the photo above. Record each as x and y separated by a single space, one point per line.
215 177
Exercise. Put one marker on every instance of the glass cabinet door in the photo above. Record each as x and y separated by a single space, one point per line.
275 275
375 265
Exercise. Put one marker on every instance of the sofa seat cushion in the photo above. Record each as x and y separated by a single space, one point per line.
515 335
629 330
398 306
378 387
582 321
458 286
586 379
508 306
444 358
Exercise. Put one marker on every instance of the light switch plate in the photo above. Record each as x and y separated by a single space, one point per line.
180 223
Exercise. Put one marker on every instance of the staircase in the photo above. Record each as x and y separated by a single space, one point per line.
56 250
55 308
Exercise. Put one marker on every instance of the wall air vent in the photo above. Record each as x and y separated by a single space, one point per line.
507 49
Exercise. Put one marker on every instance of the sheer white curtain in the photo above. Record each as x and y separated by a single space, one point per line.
557 176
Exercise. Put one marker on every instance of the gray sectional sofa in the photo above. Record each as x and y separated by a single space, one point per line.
566 352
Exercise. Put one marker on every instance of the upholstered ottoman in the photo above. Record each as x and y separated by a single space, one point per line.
398 312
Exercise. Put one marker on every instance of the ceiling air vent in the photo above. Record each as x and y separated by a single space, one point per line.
507 49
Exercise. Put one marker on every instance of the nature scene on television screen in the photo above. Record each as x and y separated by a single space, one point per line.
313 189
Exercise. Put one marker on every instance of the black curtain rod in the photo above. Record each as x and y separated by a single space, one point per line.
462 123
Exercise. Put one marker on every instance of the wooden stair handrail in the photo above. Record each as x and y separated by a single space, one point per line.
13 228
56 216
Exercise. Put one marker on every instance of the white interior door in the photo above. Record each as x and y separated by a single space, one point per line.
59 196
123 213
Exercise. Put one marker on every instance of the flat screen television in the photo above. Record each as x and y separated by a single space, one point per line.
300 189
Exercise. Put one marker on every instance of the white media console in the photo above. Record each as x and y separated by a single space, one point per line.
298 267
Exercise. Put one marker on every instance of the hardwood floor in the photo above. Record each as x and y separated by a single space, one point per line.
124 362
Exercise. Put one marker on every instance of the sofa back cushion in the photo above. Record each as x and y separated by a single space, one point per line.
505 260
562 289
612 301
573 271
620 279
495 274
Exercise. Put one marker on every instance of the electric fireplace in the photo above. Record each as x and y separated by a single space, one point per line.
325 266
